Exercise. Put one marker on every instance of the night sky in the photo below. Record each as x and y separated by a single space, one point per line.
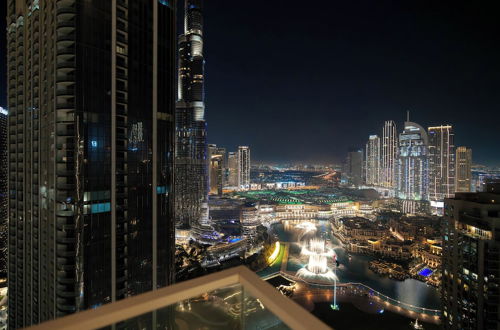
305 83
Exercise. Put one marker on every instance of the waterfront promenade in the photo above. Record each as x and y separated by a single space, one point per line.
362 296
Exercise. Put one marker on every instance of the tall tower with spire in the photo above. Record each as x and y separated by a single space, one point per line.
191 169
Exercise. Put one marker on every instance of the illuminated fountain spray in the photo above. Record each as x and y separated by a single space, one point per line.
317 267
306 228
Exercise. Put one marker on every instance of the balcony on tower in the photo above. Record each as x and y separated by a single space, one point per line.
231 299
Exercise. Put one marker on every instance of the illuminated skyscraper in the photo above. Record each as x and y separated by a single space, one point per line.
216 174
222 151
441 166
470 264
4 201
249 220
211 149
91 96
232 166
413 169
243 167
389 155
191 165
220 166
463 169
372 164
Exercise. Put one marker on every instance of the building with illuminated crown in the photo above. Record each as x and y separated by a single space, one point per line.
191 161
91 99
413 169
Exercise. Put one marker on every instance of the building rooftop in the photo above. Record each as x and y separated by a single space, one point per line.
314 197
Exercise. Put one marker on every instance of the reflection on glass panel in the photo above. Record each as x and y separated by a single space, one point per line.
226 308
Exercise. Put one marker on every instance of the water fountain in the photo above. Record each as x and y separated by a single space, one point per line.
317 267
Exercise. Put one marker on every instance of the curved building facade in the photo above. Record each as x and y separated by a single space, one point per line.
413 169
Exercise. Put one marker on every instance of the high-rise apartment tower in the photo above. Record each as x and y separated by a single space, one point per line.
372 164
4 200
354 167
441 166
243 167
471 264
463 169
91 96
389 155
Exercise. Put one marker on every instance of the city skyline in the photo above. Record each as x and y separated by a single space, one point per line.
367 75
347 160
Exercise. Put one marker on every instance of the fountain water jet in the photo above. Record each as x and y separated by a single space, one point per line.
317 267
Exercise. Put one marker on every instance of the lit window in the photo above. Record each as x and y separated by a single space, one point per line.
120 50
100 208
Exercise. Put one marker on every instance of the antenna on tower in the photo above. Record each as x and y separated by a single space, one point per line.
407 115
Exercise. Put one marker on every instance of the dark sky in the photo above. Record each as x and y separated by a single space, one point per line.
304 83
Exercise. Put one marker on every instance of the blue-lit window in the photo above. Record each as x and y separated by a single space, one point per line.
93 144
161 190
100 208
164 2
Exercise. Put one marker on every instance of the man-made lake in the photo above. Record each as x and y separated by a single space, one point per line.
356 269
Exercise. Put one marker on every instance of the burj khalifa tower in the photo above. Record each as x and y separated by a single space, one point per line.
191 166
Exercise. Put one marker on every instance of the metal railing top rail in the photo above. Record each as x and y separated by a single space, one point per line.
366 287
289 312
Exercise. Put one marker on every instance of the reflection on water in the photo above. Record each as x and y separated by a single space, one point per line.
356 270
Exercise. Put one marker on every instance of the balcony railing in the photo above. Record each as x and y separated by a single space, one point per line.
235 298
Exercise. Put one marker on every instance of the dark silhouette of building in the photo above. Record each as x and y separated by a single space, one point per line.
4 203
91 95
471 262
354 167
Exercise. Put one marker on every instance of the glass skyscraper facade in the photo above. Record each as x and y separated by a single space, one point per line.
441 166
463 169
413 169
243 167
191 165
91 94
389 155
372 162
354 167
232 168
